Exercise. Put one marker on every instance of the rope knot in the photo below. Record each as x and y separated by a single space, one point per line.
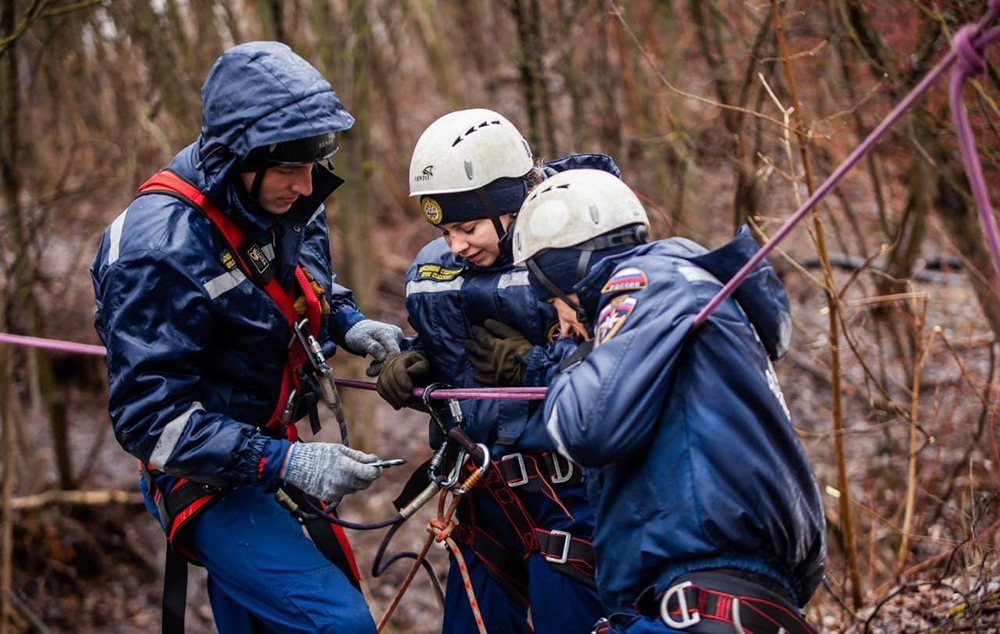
971 54
440 530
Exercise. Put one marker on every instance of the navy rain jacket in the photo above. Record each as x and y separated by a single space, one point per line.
690 456
446 296
195 349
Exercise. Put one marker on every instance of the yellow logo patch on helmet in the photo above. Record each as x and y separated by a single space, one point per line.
432 210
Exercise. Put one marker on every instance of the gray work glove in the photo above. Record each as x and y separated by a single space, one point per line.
329 471
378 339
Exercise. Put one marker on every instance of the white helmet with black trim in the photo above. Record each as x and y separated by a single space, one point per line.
574 207
466 150
574 214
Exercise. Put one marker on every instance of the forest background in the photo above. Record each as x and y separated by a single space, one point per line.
719 112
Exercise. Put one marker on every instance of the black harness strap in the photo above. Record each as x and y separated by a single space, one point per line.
504 566
569 555
175 577
711 601
178 509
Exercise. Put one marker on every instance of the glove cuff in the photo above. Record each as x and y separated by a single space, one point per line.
302 465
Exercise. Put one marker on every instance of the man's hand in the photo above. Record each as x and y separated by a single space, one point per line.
396 380
378 339
498 353
329 471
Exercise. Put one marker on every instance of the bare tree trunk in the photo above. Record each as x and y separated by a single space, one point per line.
357 259
272 20
7 532
437 51
8 150
527 64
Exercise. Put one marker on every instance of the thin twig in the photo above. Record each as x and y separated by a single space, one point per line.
833 303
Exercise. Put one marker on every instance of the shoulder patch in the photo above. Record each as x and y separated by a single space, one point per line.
613 317
630 278
437 273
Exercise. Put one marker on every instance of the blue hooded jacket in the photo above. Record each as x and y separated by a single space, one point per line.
690 456
195 349
446 296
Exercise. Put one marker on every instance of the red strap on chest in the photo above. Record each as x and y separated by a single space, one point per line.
168 182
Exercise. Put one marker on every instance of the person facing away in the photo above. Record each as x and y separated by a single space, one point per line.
525 533
206 378
708 516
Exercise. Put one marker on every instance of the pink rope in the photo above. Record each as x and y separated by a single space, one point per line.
474 394
53 344
970 45
897 113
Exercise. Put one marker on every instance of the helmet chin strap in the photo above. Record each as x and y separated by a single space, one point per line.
632 234
258 180
491 211
581 315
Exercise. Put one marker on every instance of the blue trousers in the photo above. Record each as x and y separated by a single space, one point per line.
559 604
265 575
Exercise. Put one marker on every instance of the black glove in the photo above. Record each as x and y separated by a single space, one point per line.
398 376
498 353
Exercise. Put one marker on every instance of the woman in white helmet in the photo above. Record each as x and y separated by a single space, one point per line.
709 519
526 533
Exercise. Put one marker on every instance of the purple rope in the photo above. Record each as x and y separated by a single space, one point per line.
894 116
53 344
970 45
475 394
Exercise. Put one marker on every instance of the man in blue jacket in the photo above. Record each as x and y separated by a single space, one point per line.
708 517
525 531
198 284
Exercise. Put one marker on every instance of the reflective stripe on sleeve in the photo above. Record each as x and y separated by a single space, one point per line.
225 282
513 278
170 435
116 237
431 286
552 426
696 274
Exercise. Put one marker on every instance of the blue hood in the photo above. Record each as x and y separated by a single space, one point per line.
257 94
761 296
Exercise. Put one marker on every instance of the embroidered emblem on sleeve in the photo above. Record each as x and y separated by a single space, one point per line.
613 317
630 278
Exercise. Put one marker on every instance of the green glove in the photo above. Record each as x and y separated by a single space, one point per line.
498 353
399 374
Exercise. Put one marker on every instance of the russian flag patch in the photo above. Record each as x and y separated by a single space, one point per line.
630 278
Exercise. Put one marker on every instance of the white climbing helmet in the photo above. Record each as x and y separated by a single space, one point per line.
574 207
465 150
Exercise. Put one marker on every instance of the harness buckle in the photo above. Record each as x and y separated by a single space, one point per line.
558 477
686 620
565 551
520 464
